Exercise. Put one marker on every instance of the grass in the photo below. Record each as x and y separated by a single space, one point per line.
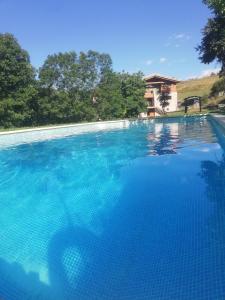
196 87
30 127
199 87
14 128
35 127
181 113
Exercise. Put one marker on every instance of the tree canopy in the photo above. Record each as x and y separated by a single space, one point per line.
69 87
217 6
16 71
164 98
218 87
212 46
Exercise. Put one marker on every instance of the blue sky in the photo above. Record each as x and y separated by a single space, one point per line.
150 36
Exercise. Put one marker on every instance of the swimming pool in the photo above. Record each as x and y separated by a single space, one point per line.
131 213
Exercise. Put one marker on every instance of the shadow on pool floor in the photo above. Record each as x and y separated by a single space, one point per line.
154 249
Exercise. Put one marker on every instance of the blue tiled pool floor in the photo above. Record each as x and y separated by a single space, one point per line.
137 213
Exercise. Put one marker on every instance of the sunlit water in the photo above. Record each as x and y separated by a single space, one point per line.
137 213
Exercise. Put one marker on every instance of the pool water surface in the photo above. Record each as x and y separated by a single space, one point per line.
133 213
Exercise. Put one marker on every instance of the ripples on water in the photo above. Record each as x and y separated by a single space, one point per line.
136 213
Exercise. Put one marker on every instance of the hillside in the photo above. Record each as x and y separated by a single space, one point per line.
195 87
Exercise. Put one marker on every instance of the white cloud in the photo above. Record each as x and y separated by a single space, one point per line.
149 62
204 73
208 72
179 36
182 36
177 39
162 60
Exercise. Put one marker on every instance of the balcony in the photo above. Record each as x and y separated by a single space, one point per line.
149 95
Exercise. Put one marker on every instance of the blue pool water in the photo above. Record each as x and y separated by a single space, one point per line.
136 213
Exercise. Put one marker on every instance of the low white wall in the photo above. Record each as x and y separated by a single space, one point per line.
173 102
12 138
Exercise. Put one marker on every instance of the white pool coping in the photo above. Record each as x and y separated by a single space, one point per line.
22 136
37 134
58 127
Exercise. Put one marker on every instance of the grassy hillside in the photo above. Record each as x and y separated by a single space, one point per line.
195 87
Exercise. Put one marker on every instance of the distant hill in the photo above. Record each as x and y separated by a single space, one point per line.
196 87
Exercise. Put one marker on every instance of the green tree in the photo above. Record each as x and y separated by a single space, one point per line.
217 6
164 97
218 87
77 77
59 71
17 83
213 42
70 88
16 71
121 95
52 107
92 67
68 72
110 102
19 110
133 90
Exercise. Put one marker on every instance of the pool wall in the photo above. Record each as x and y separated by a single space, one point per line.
219 119
17 137
13 138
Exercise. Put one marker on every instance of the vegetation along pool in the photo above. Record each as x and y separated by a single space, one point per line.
130 213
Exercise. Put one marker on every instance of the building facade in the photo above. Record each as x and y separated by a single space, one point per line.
156 85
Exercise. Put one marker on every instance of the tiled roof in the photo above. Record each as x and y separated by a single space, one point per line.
160 77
